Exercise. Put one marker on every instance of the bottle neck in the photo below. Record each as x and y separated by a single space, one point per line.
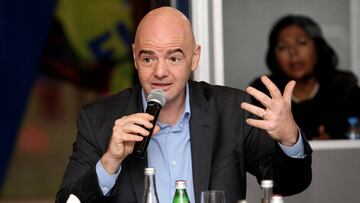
180 192
267 194
181 196
150 194
150 182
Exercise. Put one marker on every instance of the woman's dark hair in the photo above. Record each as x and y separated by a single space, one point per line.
326 57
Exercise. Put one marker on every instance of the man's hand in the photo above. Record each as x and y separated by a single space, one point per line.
276 118
125 133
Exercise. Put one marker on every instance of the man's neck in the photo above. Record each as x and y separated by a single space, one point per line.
172 111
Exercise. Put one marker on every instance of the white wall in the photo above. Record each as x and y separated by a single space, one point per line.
247 24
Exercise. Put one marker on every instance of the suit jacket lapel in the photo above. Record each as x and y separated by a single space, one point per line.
201 138
137 175
136 165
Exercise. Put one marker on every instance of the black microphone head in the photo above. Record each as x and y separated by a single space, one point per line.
158 96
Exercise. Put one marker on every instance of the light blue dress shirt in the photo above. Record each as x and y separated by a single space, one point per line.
169 152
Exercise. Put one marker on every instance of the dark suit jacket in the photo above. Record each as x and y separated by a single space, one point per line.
223 149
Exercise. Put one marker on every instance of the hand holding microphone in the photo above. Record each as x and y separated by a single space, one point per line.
135 128
156 100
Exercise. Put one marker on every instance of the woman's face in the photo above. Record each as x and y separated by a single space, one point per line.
296 53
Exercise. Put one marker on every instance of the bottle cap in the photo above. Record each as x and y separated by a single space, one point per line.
149 171
267 183
180 184
277 199
353 121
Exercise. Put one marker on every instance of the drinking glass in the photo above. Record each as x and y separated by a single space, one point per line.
213 196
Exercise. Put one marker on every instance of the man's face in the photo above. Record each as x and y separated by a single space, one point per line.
165 57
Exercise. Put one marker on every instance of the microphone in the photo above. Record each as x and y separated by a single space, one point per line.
155 101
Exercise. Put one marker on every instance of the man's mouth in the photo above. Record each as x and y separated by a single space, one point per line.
162 86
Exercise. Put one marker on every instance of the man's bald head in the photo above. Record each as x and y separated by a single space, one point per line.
165 19
165 53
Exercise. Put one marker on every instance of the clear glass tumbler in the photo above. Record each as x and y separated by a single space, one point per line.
213 196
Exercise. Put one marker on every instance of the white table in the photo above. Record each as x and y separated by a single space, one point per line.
336 175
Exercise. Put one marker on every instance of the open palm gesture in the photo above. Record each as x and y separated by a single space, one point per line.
276 117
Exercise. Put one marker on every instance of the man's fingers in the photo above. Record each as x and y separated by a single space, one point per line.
257 123
137 129
258 95
127 137
132 128
273 89
138 118
253 109
288 91
156 130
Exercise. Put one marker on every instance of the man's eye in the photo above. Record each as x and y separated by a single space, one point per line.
174 59
147 59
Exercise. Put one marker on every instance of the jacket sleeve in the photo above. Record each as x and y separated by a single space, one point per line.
266 160
80 177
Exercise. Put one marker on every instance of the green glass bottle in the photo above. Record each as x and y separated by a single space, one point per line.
180 192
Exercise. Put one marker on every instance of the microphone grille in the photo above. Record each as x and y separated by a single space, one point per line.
157 95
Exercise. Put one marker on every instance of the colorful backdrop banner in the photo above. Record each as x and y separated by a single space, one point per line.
100 31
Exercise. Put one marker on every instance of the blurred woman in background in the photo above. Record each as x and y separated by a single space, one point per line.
324 97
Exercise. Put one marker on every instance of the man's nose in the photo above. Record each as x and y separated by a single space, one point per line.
161 69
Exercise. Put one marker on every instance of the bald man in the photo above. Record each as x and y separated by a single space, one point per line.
208 135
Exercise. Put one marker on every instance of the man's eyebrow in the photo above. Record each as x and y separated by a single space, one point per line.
174 51
146 52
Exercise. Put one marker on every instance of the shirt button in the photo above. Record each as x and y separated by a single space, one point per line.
173 163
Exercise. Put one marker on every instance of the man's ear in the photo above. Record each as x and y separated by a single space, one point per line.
134 54
196 57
